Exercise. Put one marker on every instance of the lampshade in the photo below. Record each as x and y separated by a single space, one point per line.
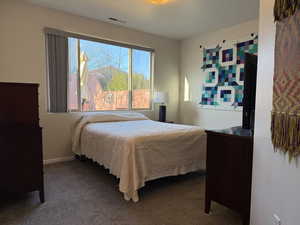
161 97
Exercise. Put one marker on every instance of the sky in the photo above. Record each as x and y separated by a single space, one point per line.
102 55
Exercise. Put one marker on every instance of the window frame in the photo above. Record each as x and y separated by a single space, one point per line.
130 47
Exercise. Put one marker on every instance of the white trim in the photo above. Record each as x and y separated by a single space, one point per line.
57 160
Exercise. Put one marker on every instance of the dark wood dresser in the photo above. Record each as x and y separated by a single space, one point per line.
21 160
229 170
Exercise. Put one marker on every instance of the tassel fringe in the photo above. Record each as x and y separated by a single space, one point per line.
285 130
285 8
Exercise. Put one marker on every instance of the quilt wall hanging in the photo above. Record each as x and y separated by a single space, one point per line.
223 66
286 90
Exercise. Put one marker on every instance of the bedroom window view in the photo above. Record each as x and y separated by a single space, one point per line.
107 77
141 82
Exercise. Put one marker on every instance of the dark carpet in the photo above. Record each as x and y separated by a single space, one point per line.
82 193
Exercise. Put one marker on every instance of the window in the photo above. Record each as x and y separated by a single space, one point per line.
90 74
141 79
106 76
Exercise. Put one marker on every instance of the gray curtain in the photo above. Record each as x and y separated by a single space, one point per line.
57 50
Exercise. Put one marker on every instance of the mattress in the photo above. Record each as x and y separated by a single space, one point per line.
140 150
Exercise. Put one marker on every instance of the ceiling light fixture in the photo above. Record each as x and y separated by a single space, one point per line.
159 2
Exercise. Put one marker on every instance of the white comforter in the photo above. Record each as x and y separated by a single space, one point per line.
136 149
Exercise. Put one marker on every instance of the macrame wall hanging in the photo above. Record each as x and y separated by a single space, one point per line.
286 91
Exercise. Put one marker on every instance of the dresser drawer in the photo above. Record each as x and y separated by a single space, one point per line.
229 169
21 159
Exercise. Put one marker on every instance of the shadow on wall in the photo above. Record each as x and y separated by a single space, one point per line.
190 114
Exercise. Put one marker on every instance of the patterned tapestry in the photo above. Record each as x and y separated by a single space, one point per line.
286 91
224 73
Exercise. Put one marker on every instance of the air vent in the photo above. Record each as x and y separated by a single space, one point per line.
116 20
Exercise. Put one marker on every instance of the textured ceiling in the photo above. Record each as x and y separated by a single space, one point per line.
177 19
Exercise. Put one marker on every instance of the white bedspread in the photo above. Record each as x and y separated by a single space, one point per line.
139 149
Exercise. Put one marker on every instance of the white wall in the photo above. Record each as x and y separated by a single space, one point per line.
22 59
191 62
276 183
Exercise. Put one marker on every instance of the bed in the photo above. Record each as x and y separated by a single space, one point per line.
136 149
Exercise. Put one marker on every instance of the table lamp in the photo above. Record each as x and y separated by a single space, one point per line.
161 98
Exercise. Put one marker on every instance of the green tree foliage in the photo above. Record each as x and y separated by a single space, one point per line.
119 82
139 82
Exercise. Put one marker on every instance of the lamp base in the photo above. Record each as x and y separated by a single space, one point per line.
162 113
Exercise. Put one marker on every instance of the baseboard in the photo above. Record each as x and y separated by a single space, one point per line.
57 160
